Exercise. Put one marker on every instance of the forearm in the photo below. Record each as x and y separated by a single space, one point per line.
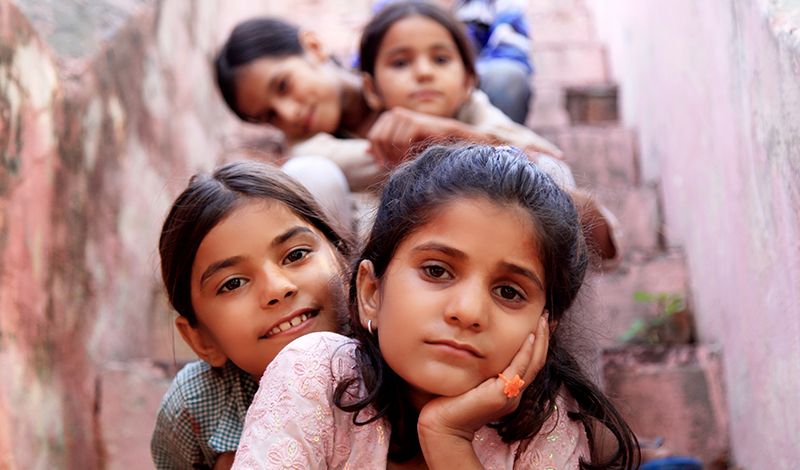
470 133
443 451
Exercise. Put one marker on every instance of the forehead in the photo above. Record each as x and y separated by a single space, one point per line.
486 231
416 31
254 78
251 226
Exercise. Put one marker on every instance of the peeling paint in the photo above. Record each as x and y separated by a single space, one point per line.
34 68
92 123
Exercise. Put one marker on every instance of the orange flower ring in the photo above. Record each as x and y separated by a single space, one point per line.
512 386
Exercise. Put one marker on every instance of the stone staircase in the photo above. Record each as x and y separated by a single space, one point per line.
669 391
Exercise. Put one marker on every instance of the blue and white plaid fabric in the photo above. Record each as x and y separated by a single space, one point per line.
201 416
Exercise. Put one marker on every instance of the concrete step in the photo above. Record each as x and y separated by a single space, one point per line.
570 64
560 26
549 7
600 156
548 110
609 304
675 393
638 212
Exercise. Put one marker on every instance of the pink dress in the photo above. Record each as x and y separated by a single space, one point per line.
293 423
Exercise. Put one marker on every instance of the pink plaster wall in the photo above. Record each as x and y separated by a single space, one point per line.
713 88
106 108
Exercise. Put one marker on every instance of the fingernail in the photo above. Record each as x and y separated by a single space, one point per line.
531 337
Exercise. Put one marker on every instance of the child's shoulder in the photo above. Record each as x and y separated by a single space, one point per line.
323 349
318 341
198 382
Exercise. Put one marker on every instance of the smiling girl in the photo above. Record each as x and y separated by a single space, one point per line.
250 263
473 262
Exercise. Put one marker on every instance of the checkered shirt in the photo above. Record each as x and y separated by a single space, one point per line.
201 416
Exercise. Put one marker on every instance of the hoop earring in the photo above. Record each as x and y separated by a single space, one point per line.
369 327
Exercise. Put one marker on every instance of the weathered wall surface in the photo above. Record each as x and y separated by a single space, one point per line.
714 90
29 343
106 108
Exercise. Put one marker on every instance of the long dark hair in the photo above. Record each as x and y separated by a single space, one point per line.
375 30
209 199
250 40
502 175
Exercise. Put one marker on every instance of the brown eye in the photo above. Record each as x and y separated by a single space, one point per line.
508 293
296 255
232 284
437 272
283 86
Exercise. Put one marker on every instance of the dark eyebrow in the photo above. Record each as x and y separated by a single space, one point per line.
405 49
219 265
292 232
523 272
233 260
449 251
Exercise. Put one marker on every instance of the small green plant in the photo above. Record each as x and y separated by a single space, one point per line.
663 327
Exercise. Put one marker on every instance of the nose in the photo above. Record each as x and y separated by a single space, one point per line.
423 69
277 287
288 111
469 307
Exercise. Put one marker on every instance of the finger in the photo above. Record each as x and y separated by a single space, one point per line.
540 347
377 137
520 363
398 140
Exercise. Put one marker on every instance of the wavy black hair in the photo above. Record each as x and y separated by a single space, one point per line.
504 176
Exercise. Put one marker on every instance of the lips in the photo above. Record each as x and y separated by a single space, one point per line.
425 95
291 321
468 348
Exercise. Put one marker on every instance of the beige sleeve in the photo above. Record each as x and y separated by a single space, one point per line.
481 114
350 155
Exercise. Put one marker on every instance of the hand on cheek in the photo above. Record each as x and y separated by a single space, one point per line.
462 415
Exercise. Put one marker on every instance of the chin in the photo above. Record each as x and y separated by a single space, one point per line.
444 388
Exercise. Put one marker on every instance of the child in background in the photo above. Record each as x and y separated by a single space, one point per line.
419 71
269 71
249 262
473 262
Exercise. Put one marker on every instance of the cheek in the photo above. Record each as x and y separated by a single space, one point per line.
509 340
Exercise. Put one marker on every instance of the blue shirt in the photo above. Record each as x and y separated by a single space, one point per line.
201 416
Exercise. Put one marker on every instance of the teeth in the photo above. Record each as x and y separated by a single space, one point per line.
289 324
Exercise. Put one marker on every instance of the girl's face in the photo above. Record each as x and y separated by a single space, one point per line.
458 298
299 95
418 67
261 278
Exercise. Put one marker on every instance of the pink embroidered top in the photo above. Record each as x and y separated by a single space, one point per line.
293 423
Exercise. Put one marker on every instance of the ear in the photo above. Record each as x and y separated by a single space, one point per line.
312 45
368 293
371 94
201 342
470 82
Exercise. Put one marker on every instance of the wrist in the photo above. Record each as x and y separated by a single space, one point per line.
442 449
431 430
